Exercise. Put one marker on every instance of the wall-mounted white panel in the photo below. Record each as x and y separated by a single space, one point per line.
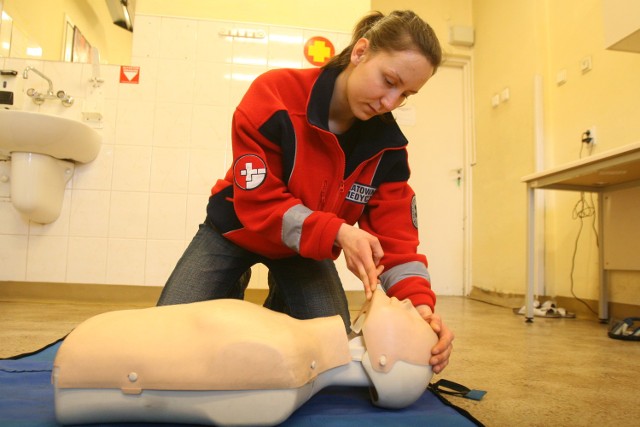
622 25
621 235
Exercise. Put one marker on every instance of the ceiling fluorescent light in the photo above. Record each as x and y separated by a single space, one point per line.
121 13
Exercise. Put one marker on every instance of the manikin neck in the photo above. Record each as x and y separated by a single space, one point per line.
351 374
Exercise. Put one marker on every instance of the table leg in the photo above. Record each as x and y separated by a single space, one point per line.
530 253
603 300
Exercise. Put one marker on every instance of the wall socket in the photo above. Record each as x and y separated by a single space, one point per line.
585 64
589 136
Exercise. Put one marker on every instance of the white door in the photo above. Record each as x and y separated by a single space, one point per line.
434 123
436 157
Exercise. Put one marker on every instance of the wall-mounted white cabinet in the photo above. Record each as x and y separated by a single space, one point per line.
622 25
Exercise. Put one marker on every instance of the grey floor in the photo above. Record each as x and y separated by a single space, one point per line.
554 372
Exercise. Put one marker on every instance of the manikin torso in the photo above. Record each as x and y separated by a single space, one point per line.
232 362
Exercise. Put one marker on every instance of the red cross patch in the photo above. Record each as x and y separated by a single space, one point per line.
249 172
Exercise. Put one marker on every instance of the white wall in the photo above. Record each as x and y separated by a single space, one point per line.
128 215
516 41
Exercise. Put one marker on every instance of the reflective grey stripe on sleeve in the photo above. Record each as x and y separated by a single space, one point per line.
292 225
402 271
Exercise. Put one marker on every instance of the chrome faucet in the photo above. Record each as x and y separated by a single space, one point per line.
25 75
38 97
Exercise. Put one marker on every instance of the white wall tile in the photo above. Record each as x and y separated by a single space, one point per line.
178 38
167 216
126 261
87 262
147 87
205 168
109 114
110 74
146 42
212 84
11 221
285 47
97 174
210 45
28 105
89 213
65 76
210 126
128 215
176 80
242 76
172 126
47 259
134 123
93 102
131 168
59 227
251 51
162 256
341 41
13 257
169 170
5 175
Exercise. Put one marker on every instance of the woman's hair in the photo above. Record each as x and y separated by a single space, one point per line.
398 31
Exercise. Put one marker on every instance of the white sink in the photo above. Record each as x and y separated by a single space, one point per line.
58 137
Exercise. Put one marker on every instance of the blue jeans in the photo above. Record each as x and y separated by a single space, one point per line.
213 267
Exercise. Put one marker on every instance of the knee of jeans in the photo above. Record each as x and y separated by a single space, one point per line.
347 323
244 280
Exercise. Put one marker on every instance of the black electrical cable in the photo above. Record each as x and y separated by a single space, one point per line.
583 209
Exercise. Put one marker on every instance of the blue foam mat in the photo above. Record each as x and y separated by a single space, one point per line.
26 400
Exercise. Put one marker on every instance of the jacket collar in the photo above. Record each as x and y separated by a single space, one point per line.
320 98
381 132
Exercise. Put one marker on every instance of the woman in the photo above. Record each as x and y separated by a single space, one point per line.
317 151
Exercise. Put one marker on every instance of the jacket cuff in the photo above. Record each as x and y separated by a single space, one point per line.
416 290
319 234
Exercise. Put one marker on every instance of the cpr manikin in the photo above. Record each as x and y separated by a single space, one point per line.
231 362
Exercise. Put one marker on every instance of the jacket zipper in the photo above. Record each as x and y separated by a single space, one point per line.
338 199
323 194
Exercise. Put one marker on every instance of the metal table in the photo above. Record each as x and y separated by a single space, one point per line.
608 171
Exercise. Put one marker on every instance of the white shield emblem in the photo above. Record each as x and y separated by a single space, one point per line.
249 172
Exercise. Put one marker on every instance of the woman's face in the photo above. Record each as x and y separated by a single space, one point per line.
381 81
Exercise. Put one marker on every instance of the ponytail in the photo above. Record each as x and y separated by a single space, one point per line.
398 31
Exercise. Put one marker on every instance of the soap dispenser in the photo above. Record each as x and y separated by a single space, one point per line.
9 91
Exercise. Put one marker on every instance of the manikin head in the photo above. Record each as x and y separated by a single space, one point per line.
398 346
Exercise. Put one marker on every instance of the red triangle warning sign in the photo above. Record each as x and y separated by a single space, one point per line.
129 74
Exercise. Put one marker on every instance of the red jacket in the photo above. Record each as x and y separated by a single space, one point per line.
291 185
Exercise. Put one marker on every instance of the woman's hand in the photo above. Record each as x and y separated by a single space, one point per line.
363 252
443 348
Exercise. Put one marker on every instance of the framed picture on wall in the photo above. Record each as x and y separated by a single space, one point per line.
81 48
68 40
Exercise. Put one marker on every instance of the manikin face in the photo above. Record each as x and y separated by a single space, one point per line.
381 81
395 328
